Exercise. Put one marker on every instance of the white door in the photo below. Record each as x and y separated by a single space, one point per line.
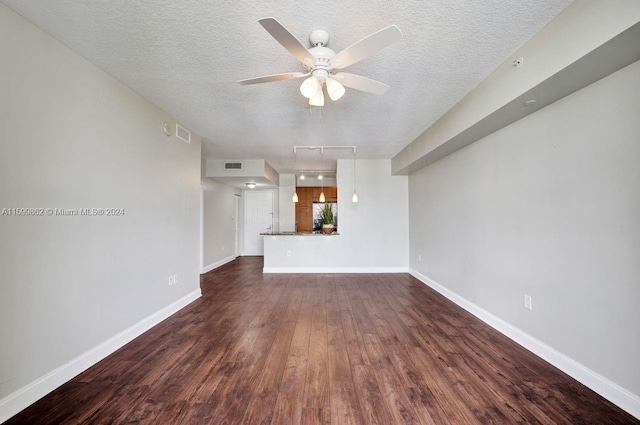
258 218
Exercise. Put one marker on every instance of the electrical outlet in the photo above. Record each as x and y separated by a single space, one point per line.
527 302
420 258
171 281
175 279
288 253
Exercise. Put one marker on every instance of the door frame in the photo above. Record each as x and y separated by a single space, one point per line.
236 224
201 227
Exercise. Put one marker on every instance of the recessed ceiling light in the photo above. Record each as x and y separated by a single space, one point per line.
250 185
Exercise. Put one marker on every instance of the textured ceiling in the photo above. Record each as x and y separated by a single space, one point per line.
184 56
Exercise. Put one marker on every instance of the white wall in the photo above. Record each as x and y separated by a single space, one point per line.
73 137
219 219
286 207
258 171
566 46
314 182
548 206
374 232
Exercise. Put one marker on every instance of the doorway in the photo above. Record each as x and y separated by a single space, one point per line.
258 218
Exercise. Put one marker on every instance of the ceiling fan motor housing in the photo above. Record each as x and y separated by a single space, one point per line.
321 75
322 55
319 38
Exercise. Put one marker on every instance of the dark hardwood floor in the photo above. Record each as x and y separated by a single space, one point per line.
321 349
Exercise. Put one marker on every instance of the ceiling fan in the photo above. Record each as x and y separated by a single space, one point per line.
320 64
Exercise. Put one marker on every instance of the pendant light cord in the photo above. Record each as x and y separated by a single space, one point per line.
354 170
354 197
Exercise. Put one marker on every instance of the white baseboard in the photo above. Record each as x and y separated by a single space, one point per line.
335 270
611 391
218 264
25 396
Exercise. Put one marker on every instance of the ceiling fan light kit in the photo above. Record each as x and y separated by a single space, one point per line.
335 89
320 63
317 99
310 87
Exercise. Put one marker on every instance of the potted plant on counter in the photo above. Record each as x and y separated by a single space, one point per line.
326 214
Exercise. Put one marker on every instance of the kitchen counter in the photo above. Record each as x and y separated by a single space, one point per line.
299 234
304 252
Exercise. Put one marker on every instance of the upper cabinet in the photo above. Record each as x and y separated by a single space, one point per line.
330 193
304 207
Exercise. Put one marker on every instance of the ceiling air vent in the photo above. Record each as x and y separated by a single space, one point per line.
233 165
183 133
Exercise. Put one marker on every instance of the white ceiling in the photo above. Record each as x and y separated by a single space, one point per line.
184 56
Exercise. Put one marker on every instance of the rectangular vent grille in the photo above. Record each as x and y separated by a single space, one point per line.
233 165
183 133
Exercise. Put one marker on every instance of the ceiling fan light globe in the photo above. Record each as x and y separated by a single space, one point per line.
335 89
318 99
309 87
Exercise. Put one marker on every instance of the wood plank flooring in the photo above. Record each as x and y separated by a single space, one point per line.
321 349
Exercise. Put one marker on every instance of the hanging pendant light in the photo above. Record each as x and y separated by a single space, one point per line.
294 198
354 198
321 199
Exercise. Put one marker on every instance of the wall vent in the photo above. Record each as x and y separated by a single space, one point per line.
183 133
233 165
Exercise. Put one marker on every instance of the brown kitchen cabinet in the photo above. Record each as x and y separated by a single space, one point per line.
304 207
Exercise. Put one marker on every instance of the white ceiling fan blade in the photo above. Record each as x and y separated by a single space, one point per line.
366 47
274 77
358 82
288 41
